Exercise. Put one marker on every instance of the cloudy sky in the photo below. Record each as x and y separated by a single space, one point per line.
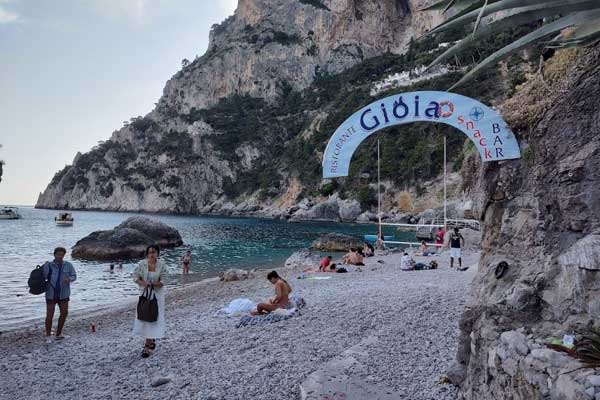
71 71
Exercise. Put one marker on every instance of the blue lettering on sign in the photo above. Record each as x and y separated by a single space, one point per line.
416 106
484 126
397 104
364 125
433 111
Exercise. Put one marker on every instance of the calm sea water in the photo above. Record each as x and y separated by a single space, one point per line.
216 244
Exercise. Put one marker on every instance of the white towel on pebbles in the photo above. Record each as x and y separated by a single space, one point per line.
238 307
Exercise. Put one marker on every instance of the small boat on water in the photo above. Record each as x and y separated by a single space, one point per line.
64 219
9 213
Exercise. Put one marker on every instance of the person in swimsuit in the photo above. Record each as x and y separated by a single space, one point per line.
325 261
187 260
330 268
354 257
281 298
368 250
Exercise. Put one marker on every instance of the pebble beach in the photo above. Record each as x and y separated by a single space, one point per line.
402 325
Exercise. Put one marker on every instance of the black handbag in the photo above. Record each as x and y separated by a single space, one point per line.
147 308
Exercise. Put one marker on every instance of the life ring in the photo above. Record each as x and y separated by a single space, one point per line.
450 106
501 269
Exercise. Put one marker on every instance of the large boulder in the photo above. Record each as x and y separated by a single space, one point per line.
335 242
235 275
126 241
303 259
349 210
366 217
332 209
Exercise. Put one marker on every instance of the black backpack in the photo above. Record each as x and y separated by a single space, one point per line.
37 281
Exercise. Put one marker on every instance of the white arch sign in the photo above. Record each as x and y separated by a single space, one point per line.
485 127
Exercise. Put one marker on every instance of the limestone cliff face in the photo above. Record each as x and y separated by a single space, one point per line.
541 215
165 162
269 42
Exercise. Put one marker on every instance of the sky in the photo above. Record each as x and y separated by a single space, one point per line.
71 71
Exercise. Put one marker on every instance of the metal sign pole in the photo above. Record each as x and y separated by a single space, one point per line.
445 193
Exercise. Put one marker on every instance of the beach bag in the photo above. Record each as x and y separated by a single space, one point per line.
37 281
147 308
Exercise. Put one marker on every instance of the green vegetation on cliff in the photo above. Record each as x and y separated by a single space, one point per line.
290 146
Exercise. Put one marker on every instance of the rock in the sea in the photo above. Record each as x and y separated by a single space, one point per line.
367 216
126 241
332 209
335 242
235 275
303 259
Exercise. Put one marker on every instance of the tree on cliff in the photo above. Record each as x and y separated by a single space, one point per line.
572 22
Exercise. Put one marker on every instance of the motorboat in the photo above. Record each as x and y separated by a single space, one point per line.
9 213
64 219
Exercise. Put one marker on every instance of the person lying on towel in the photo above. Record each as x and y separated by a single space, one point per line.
281 298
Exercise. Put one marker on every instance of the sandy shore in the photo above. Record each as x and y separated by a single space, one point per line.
412 317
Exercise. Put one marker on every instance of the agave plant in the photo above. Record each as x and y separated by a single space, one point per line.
566 23
588 347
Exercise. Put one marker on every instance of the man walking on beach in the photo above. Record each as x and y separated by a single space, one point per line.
456 242
59 274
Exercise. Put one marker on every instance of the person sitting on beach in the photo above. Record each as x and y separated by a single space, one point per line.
354 257
359 258
423 249
281 298
325 261
59 274
348 257
406 262
187 260
369 250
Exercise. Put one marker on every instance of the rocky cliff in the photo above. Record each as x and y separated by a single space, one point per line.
541 215
240 129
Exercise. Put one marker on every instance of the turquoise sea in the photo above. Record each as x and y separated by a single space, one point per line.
216 244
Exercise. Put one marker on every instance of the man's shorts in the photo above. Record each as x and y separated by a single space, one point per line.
454 252
61 301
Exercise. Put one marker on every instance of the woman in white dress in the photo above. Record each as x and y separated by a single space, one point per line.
151 272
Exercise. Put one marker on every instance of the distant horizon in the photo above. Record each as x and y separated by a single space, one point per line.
72 73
